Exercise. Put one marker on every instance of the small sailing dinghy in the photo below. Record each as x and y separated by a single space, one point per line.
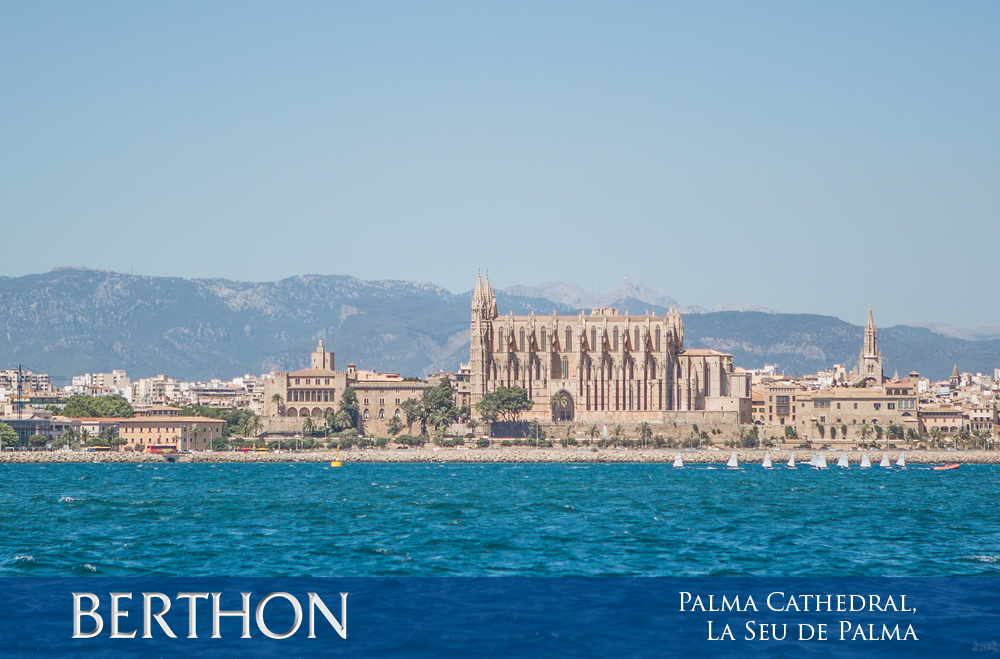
791 460
678 462
733 462
767 462
901 463
866 462
820 462
813 460
885 464
842 461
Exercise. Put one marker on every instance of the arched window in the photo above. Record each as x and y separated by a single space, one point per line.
397 414
523 345
544 341
381 414
636 346
652 370
500 339
614 340
569 339
565 369
366 414
593 338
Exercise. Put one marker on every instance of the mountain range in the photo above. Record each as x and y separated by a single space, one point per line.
73 320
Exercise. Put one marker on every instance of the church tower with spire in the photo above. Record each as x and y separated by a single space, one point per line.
870 358
484 311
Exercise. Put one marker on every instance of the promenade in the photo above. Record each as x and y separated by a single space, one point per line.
504 455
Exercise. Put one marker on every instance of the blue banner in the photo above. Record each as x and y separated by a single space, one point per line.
499 617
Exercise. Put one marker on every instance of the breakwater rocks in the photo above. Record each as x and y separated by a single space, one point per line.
504 455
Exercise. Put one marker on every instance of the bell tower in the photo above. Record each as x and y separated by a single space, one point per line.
484 311
870 359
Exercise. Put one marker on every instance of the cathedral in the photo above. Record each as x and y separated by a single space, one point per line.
603 366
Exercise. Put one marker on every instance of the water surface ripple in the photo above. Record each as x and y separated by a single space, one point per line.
495 519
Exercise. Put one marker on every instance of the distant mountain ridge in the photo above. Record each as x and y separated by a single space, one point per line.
73 320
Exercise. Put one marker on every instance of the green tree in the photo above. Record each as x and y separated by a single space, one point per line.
82 405
395 426
791 432
645 432
911 436
506 403
308 426
414 411
833 432
37 441
865 432
7 436
617 432
472 424
251 425
593 431
349 405
439 406
279 403
559 402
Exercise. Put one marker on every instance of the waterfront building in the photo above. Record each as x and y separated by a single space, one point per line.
179 433
605 367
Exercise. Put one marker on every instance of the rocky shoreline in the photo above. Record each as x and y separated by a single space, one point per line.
501 455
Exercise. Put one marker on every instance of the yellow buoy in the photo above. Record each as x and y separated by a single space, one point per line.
336 463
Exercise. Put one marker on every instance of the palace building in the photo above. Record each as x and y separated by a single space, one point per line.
603 367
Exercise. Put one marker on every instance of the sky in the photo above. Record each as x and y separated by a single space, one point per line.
805 156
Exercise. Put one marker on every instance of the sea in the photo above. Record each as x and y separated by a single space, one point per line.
477 520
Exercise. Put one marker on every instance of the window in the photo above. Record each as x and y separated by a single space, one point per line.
636 346
838 406
569 339
500 339
522 347
545 345
890 406
366 401
878 406
381 414
565 369
614 340
657 339
397 401
855 406
381 401
396 414
307 381
296 381
593 338
326 381
366 414
822 419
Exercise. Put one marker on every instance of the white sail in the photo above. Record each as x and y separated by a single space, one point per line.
842 462
902 460
678 462
821 462
885 464
791 460
733 462
813 460
866 462
767 461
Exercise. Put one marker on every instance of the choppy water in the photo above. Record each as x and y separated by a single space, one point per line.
480 520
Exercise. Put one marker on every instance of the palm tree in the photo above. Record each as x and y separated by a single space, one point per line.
472 424
645 433
617 431
865 432
593 431
413 410
308 426
251 425
936 436
194 429
559 402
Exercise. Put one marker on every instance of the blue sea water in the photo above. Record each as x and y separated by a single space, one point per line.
295 520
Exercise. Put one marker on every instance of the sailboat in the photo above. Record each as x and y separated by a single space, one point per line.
901 463
678 462
866 462
820 462
733 462
791 460
767 462
842 462
884 463
813 460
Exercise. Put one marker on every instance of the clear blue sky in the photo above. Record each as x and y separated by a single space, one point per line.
809 157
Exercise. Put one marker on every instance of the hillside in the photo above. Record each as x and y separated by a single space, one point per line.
71 321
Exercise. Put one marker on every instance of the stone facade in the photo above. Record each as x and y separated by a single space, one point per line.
605 366
312 391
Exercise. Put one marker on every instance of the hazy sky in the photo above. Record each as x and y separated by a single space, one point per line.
809 157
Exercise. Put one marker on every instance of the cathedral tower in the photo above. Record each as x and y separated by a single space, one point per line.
484 310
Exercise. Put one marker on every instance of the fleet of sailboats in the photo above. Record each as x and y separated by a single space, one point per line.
816 461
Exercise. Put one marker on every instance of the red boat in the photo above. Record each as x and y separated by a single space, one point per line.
946 467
